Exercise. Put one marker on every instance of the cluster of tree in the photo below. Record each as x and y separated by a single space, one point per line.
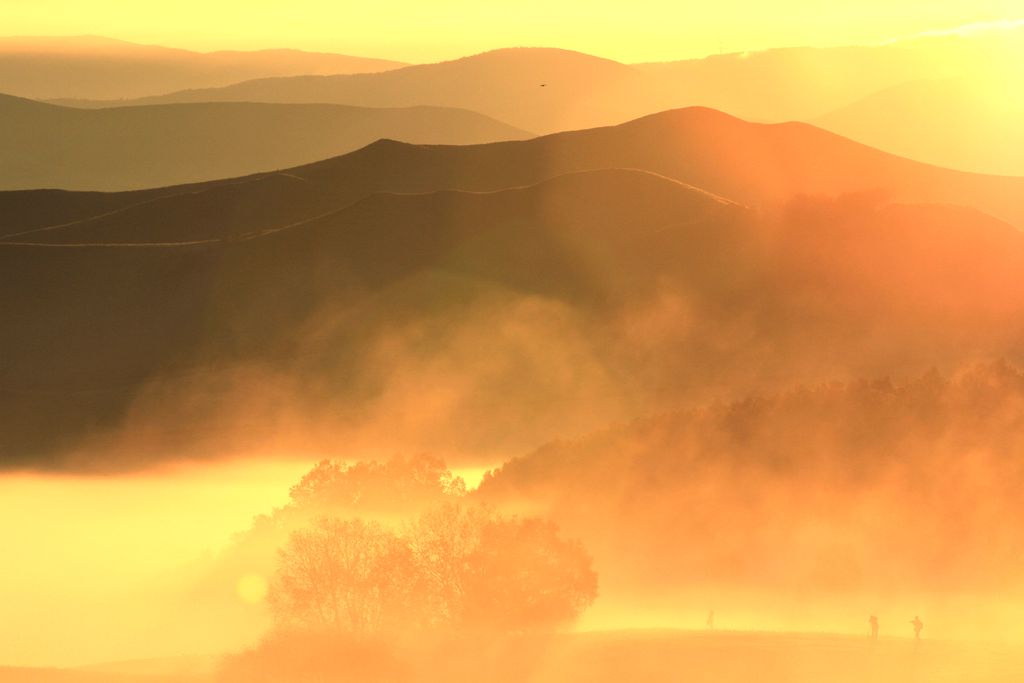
457 567
400 488
888 485
356 599
850 430
394 486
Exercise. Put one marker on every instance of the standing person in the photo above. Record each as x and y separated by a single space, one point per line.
873 620
711 620
918 625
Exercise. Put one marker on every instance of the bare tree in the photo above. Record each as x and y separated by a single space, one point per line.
456 567
347 575
523 575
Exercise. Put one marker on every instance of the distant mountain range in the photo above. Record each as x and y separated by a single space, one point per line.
973 124
748 163
46 146
102 68
549 90
510 291
538 89
581 90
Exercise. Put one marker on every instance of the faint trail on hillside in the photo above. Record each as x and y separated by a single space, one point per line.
111 245
129 207
244 237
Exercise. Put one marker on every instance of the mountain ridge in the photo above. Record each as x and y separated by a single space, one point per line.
716 152
655 289
124 148
96 67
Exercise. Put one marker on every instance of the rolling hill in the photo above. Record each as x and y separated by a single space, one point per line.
805 83
752 164
975 124
47 146
103 68
539 89
559 305
110 318
788 84
549 90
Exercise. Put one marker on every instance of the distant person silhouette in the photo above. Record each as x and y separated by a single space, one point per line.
711 620
918 625
873 620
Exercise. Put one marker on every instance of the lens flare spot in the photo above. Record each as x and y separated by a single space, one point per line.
251 588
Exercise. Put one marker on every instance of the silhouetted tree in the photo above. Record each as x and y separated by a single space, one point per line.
394 486
402 487
522 575
347 575
456 567
443 539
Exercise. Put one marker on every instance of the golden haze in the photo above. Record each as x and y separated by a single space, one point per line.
650 30
690 393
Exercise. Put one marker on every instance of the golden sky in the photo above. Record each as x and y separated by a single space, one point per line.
419 30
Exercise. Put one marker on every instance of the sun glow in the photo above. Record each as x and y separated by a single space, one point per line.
649 30
639 341
252 588
132 543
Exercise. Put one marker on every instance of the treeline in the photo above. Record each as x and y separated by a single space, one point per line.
882 485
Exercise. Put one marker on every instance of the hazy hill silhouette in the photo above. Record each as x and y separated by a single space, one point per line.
579 90
103 68
803 83
974 124
46 146
786 84
109 318
552 307
582 91
753 164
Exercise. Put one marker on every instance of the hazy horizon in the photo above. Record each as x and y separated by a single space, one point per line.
873 38
368 343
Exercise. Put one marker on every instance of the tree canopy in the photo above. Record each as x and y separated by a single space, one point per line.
456 567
